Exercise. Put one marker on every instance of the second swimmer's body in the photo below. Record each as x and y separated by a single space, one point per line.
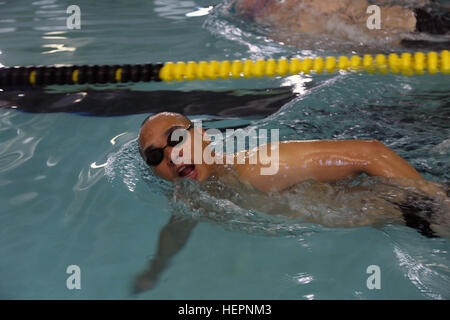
343 20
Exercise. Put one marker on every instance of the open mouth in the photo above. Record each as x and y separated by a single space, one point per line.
187 171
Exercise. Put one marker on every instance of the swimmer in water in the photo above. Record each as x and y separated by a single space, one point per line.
326 161
347 20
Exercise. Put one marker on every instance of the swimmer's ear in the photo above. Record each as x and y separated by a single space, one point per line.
205 136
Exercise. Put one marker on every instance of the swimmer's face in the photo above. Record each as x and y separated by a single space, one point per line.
155 133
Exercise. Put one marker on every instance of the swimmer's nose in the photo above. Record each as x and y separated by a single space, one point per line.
168 155
180 154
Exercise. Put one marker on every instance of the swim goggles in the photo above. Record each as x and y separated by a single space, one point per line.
153 157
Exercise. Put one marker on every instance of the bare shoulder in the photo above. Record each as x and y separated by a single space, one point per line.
322 145
278 165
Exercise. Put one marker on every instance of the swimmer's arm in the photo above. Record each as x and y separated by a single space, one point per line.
326 161
172 239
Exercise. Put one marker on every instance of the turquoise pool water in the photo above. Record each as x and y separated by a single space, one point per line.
75 192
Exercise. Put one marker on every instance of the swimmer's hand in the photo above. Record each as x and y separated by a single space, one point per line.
145 281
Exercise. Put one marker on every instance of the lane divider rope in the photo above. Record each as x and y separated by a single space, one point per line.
406 64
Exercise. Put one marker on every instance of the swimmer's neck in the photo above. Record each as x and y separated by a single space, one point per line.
228 171
219 170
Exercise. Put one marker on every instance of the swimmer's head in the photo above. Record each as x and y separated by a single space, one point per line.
158 149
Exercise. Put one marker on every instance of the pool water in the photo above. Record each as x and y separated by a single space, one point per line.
75 192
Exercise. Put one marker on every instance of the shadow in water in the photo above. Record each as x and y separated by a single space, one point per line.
109 103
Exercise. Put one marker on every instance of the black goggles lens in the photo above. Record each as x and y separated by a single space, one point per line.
154 157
